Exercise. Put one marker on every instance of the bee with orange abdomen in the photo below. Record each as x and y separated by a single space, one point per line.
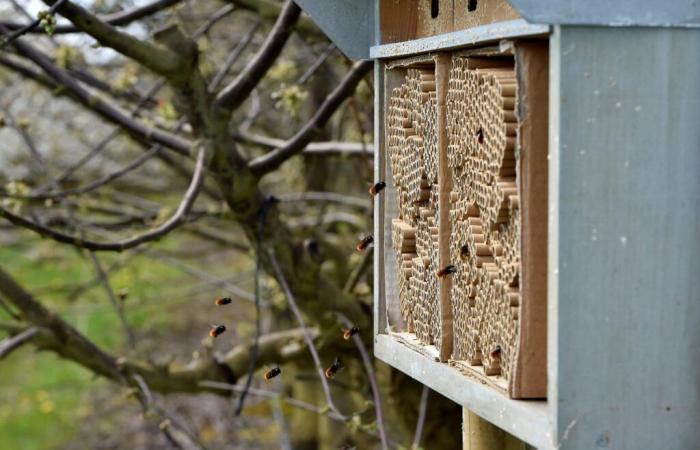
221 301
376 188
272 373
480 136
216 330
364 242
464 252
334 368
496 352
446 271
350 332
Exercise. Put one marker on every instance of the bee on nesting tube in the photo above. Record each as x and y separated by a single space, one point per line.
446 271
216 330
480 136
377 188
364 243
496 352
272 373
334 368
223 301
464 252
348 333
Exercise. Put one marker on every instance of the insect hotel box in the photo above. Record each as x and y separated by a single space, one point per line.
536 245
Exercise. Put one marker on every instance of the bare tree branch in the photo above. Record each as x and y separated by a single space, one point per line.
29 27
121 18
270 161
100 106
177 219
307 336
369 368
238 90
160 60
313 148
233 57
12 343
422 409
318 63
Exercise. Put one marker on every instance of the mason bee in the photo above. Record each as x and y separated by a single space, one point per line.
348 333
334 368
364 242
446 271
223 301
216 330
272 373
377 188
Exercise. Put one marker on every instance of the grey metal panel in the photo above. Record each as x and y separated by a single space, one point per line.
350 24
625 269
379 291
486 33
527 420
673 13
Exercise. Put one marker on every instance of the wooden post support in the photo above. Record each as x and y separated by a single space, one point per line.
480 434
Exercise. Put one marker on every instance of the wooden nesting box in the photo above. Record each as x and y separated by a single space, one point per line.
465 155
566 192
404 20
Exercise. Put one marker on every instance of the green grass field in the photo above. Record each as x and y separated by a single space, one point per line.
43 399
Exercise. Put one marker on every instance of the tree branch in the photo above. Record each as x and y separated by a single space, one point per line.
100 106
121 18
270 161
158 59
329 148
238 90
12 343
27 28
177 219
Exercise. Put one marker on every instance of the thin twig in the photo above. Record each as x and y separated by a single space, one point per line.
318 63
120 18
173 222
307 337
10 344
29 27
270 161
233 57
369 368
361 268
421 418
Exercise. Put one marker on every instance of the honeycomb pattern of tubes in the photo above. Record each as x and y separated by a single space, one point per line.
412 149
484 215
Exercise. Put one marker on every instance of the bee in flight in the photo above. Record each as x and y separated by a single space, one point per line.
216 330
272 373
348 333
334 368
376 188
446 271
223 301
364 242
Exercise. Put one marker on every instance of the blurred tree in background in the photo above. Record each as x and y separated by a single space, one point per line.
159 154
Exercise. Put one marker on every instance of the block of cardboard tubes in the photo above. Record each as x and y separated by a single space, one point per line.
457 131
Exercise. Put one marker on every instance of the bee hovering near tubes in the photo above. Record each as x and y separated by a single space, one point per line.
364 242
350 332
334 368
446 271
272 373
221 301
376 188
217 330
